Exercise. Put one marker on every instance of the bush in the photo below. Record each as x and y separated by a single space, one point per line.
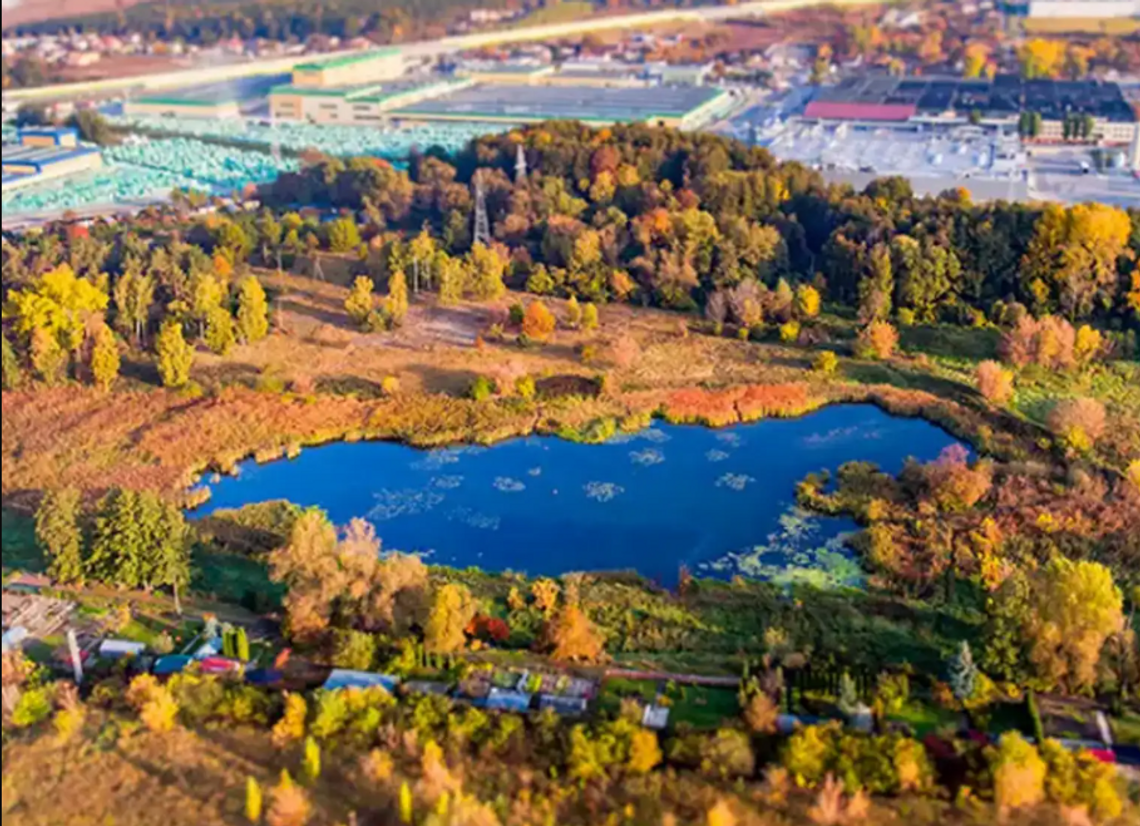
481 388
390 386
1080 422
516 313
995 383
790 332
524 386
825 362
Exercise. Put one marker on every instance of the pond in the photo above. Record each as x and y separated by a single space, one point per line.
720 502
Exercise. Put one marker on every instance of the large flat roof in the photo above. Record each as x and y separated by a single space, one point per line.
347 60
213 94
41 156
537 103
1004 96
369 92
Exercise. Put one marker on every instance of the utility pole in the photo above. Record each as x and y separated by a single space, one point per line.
76 660
482 232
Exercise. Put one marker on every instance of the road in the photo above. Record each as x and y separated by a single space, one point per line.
421 49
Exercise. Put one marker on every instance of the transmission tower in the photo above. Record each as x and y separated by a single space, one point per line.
482 233
520 165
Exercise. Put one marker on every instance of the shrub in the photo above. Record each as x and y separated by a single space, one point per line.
1089 344
590 316
761 713
906 317
1080 422
995 383
390 386
825 362
516 313
727 754
524 386
807 301
877 340
790 332
481 388
573 312
33 707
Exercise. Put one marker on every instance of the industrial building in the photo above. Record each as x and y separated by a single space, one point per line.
61 136
44 155
360 104
1083 8
997 103
504 72
685 107
213 100
367 67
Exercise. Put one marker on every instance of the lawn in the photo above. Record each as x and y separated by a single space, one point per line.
927 718
1126 728
20 551
702 707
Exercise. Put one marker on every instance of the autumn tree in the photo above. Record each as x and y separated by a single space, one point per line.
359 305
343 235
589 316
1079 422
174 356
976 56
488 266
1040 58
220 337
134 296
289 804
995 383
877 287
538 322
207 293
571 635
452 609
396 302
877 340
807 303
59 535
1074 608
1018 771
1071 261
253 311
58 303
104 359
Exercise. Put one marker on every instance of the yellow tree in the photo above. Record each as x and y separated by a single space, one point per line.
358 305
105 358
538 322
451 612
1041 58
1075 607
58 302
974 61
175 356
571 635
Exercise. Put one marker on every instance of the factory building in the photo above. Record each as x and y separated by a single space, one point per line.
683 107
505 72
44 155
1083 8
62 136
212 100
357 104
351 70
1000 103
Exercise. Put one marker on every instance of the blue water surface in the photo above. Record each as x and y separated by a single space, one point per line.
720 502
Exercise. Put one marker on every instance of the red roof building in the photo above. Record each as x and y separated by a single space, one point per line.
838 110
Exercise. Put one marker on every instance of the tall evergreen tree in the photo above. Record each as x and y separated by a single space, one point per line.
59 534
